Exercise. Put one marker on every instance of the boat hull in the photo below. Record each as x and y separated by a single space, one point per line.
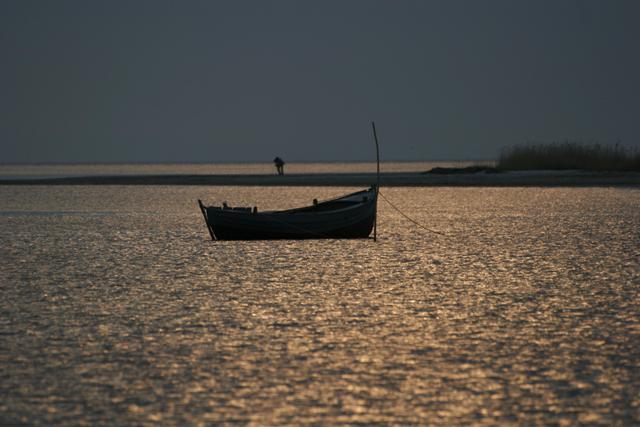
349 217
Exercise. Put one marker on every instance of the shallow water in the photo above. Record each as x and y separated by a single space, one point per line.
118 309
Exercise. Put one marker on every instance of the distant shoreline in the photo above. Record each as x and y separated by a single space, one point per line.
393 179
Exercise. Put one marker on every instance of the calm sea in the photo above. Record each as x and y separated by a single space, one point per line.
118 309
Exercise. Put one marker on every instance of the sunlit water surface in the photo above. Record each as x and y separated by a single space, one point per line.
117 309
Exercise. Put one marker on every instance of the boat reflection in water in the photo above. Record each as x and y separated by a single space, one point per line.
351 216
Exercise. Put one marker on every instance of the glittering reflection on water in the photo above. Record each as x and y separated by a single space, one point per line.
527 311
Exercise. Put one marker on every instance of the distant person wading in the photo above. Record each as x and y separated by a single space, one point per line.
279 165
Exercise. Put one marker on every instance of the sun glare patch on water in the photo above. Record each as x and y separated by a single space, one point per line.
125 312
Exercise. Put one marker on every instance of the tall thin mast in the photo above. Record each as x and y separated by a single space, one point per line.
375 218
375 136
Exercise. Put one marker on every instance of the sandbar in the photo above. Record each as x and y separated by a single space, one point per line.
390 179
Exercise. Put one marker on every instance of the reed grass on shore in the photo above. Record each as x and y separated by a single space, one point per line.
569 155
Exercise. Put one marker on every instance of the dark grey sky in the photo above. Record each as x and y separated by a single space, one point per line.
112 81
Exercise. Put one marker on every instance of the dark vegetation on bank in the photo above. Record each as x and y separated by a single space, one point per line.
569 155
566 155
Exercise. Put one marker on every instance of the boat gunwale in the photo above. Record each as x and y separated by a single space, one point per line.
301 210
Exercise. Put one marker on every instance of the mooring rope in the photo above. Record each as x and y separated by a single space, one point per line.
408 218
311 232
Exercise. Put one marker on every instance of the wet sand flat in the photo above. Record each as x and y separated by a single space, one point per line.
395 179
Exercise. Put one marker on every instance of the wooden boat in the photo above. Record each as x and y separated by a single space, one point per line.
351 216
